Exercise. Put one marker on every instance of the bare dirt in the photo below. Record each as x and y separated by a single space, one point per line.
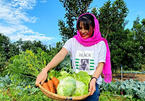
126 76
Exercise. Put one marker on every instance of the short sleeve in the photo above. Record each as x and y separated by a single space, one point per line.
102 53
68 45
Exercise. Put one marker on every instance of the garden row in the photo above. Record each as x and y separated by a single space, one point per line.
130 89
17 83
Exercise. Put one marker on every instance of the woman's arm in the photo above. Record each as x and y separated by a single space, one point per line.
99 70
56 59
53 63
96 74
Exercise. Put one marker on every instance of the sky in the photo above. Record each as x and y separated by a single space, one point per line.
38 19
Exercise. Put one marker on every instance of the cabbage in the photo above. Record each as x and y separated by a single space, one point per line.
83 77
66 87
75 84
81 89
63 74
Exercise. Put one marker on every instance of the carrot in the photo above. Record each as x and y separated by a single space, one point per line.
55 81
51 86
45 85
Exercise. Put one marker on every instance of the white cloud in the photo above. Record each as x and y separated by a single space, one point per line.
23 4
43 1
7 30
31 37
13 15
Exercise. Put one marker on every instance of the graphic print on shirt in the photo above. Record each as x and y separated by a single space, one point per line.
84 60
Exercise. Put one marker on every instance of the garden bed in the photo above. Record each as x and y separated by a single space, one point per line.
126 76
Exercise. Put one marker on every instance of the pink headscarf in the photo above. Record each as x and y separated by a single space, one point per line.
96 38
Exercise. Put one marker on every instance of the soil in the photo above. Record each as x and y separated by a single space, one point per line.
126 76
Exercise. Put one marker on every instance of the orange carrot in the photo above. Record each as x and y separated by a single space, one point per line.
45 85
55 81
51 86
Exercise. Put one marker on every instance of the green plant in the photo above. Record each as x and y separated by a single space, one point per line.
27 65
129 88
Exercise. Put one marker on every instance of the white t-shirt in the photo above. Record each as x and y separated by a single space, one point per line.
86 58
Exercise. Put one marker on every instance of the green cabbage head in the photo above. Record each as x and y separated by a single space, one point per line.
66 87
81 89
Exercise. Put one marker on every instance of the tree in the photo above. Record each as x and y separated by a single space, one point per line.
7 50
4 45
138 40
131 55
111 18
30 45
73 9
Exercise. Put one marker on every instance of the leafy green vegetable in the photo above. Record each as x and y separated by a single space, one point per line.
75 84
63 74
27 64
53 73
81 89
66 87
83 77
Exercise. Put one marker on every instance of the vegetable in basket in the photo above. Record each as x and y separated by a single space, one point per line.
45 86
81 81
51 86
55 81
66 87
81 89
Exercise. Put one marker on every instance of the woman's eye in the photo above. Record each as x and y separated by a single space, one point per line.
86 28
80 28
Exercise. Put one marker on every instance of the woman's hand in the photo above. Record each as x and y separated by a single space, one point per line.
41 77
53 63
92 88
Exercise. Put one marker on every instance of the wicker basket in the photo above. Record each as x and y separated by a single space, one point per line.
62 98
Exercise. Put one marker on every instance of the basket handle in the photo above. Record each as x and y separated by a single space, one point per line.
39 85
69 98
89 93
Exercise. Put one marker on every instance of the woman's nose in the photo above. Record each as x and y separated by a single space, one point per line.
83 30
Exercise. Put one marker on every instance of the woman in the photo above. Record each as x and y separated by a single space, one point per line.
89 52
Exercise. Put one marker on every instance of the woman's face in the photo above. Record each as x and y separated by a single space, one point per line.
85 33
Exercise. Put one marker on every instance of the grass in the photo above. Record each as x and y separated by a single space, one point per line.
13 94
107 96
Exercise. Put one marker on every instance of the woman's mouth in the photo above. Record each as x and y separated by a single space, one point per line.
84 34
